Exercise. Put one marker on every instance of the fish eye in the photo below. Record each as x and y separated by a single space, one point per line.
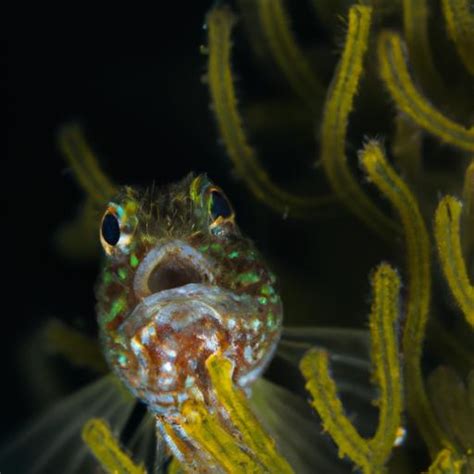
117 228
219 206
110 230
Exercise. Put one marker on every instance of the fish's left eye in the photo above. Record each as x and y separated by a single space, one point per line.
219 206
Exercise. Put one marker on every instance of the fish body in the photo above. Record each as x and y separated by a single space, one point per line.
179 283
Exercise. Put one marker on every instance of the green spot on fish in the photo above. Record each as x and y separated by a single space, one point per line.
267 290
215 247
117 306
122 273
262 300
248 277
107 277
233 254
134 260
122 359
271 320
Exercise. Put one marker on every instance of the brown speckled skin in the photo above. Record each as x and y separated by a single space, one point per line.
181 213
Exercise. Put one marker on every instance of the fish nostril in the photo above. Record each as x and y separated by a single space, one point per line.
173 273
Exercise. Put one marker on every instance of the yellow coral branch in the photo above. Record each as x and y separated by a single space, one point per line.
242 417
100 440
415 26
75 346
338 106
460 23
206 429
321 386
84 164
394 72
77 238
446 464
406 147
419 288
288 55
385 358
370 455
237 445
220 21
175 467
448 239
468 221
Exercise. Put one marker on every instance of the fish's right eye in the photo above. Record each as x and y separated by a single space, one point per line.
110 229
117 228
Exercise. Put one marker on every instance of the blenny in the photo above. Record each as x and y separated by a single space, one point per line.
181 282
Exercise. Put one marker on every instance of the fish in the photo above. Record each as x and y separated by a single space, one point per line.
180 282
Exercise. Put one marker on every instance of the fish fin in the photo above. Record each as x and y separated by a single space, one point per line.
296 429
53 442
147 446
349 351
283 403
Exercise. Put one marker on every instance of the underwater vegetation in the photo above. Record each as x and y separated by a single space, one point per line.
404 168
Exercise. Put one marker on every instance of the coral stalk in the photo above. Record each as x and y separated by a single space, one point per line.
289 57
84 164
394 72
448 239
370 455
98 437
419 289
407 147
339 103
460 24
445 464
253 450
220 21
415 26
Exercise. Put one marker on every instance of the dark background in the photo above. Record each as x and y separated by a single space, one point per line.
132 78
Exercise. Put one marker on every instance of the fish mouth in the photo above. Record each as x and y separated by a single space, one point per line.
171 265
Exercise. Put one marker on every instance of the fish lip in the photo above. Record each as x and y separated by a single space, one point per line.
175 250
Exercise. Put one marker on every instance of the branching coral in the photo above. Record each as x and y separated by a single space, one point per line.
289 57
247 448
84 164
394 71
460 24
78 238
334 125
448 239
419 281
441 404
415 27
256 452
